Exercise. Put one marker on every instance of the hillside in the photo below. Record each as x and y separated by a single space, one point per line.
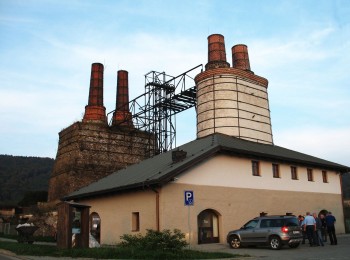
19 175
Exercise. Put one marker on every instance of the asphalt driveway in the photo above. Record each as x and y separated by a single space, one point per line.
328 252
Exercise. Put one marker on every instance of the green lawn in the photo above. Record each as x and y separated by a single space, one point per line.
109 252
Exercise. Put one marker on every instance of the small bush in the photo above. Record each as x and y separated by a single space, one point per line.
160 240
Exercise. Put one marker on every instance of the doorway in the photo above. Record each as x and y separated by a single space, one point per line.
208 227
95 226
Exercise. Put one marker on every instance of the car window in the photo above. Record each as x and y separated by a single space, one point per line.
265 223
251 224
278 222
271 223
291 222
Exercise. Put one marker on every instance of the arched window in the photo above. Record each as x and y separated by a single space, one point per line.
95 226
208 227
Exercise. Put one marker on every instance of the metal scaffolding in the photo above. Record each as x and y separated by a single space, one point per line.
155 110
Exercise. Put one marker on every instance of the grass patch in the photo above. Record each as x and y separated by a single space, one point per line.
110 252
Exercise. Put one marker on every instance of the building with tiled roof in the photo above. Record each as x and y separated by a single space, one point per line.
232 172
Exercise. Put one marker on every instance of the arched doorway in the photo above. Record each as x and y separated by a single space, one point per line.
95 226
208 227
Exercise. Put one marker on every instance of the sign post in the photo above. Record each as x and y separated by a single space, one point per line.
189 201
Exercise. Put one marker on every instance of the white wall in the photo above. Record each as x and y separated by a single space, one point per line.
230 171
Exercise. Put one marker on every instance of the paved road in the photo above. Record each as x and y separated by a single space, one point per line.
303 252
7 255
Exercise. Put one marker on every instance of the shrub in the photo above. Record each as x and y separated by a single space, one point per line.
159 240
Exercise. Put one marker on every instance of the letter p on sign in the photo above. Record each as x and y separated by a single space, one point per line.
189 199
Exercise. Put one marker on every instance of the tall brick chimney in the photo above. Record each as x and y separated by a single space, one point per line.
95 111
240 58
216 52
121 115
232 100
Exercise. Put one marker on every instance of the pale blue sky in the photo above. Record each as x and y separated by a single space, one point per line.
47 47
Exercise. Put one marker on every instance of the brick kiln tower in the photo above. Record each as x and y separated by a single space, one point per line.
91 149
232 100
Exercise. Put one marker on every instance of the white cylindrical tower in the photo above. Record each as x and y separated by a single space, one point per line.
232 101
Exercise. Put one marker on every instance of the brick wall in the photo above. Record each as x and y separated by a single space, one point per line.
88 152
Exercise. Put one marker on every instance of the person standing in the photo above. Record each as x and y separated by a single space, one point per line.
318 236
310 228
301 224
330 221
324 228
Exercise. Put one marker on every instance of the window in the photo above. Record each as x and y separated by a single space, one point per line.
310 176
291 222
255 168
135 219
276 170
293 171
251 224
324 176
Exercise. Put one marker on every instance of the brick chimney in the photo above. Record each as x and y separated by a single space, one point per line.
95 111
216 52
240 58
121 115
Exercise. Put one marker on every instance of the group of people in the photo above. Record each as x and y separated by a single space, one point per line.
316 227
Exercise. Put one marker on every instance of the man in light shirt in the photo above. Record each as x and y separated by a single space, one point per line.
310 228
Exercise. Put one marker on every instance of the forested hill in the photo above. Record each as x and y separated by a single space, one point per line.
19 175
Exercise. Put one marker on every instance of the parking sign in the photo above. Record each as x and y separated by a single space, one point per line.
189 199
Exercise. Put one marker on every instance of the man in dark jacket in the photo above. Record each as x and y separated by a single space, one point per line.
330 221
324 227
317 234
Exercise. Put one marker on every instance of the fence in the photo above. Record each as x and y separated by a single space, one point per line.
8 229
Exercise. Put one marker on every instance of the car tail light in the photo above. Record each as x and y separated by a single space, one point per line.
284 229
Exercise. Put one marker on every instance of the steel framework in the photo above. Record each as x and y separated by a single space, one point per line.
155 110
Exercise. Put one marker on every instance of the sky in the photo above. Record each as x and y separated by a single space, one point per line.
47 47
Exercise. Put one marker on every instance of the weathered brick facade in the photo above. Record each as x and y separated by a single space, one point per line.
89 151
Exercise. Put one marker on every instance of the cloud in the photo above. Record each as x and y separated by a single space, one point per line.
53 92
324 142
296 50
49 47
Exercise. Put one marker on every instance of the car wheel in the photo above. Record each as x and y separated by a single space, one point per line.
275 243
294 245
235 242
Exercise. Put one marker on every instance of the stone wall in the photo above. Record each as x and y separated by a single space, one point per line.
88 152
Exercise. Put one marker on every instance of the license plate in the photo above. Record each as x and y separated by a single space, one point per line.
296 232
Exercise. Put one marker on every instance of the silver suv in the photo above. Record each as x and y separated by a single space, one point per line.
274 231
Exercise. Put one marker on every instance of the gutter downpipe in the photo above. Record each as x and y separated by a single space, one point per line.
157 207
342 197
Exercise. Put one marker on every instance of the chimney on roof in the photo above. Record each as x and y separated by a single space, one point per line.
95 111
216 52
240 58
178 155
122 115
